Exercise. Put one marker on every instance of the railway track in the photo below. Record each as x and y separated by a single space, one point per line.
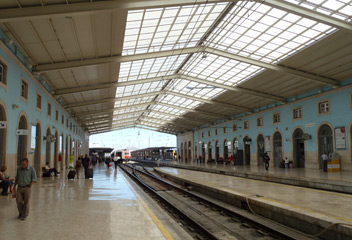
202 218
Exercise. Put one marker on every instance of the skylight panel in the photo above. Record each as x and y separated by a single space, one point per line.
166 28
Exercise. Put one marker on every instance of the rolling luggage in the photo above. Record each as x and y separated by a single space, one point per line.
71 174
89 173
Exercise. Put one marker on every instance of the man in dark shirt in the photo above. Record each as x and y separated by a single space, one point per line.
86 163
25 178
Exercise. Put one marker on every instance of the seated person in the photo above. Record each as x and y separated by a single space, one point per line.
5 182
51 170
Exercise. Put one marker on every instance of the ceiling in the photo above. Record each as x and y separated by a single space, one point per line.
171 66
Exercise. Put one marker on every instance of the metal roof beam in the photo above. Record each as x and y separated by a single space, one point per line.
111 85
214 102
109 100
308 13
214 115
234 89
156 130
111 117
112 109
115 59
78 9
275 67
180 117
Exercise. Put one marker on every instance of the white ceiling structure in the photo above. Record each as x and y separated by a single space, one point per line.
171 66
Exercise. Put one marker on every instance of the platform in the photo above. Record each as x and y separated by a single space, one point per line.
309 209
108 207
303 177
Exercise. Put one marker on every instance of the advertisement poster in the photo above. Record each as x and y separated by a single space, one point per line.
72 160
340 137
267 144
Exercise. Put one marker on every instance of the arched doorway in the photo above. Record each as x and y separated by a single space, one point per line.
66 152
22 141
260 149
247 150
226 150
189 151
217 150
47 147
2 136
56 149
277 149
181 152
61 150
298 148
203 152
196 153
38 147
325 142
209 152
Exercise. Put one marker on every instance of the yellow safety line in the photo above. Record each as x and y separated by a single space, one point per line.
269 199
155 219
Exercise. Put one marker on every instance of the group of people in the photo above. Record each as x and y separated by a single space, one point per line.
82 161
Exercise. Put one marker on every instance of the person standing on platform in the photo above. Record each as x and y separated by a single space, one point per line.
266 159
78 166
325 161
86 163
286 162
25 179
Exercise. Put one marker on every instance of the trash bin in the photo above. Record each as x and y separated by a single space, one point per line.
334 163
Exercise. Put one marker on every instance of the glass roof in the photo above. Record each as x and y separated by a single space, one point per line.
261 32
341 9
159 29
250 29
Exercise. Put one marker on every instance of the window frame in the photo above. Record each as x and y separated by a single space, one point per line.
293 113
262 122
329 106
225 130
234 127
4 67
49 108
246 125
216 132
41 101
62 119
209 134
57 114
26 94
279 120
202 134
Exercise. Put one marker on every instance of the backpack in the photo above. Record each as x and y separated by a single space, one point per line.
78 163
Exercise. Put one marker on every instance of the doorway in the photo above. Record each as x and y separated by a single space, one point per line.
217 151
226 150
47 147
247 151
209 152
38 145
277 149
325 142
2 137
56 149
298 148
189 151
260 149
22 141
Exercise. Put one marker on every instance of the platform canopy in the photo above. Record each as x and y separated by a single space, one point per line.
172 66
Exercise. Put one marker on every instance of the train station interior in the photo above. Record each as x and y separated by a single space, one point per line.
236 82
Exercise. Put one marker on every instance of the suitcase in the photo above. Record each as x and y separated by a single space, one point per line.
71 174
89 173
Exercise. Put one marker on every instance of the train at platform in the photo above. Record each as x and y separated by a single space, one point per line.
120 155
154 153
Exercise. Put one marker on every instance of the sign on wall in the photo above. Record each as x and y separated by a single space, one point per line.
267 144
2 124
340 138
206 148
33 135
229 145
21 132
60 144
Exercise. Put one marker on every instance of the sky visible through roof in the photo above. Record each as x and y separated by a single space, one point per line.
132 138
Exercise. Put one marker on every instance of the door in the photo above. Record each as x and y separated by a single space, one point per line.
277 149
247 151
260 149
37 152
217 151
22 141
2 137
209 152
325 142
298 148
47 148
226 150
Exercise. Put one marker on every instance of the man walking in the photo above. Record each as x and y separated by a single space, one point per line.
86 163
266 159
25 178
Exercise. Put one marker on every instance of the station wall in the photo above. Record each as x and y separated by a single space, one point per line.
303 140
17 112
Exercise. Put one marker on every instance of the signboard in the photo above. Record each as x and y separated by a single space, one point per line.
340 138
267 144
21 132
2 124
33 135
229 145
309 125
